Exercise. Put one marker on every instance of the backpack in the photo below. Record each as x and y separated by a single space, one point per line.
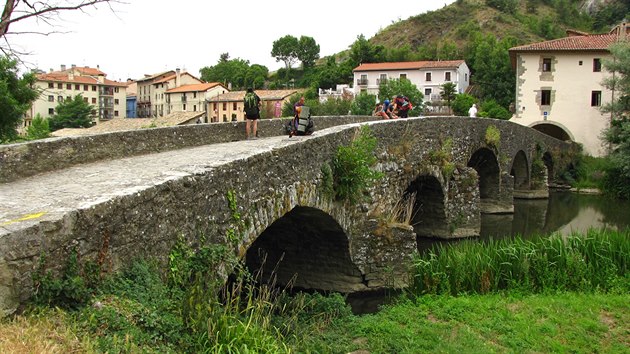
251 104
403 103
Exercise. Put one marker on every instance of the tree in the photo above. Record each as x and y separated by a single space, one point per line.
361 51
394 87
617 179
449 91
44 11
39 128
492 69
73 113
286 49
462 103
236 71
363 104
308 51
16 96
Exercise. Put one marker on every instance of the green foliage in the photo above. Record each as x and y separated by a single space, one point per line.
462 103
308 51
352 167
507 6
362 51
589 172
39 128
363 104
394 87
327 186
16 95
493 136
443 158
491 109
449 91
286 49
595 262
74 113
237 71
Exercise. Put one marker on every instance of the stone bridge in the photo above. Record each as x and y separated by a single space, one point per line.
64 194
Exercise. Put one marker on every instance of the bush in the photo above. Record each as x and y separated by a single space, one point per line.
462 103
39 128
491 109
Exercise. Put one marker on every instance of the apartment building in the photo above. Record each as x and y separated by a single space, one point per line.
559 87
229 106
192 98
428 76
108 97
162 85
145 106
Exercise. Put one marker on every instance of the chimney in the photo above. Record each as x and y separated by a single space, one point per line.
63 67
73 66
51 70
177 77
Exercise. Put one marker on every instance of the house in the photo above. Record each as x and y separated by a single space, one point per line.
192 98
340 92
161 85
132 98
108 97
145 94
428 76
559 87
229 106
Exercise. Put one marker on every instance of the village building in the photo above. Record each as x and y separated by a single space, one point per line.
228 107
192 98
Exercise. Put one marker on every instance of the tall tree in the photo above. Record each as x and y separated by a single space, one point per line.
236 71
449 91
492 69
16 95
73 113
43 11
362 51
286 49
308 51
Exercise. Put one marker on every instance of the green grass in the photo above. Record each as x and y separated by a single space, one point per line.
564 322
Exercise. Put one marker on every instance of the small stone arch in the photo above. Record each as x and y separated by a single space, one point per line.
484 161
520 171
307 249
553 129
429 212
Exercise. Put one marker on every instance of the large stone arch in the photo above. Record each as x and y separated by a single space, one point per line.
553 129
484 161
429 212
520 171
308 249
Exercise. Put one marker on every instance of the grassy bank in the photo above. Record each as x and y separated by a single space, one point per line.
551 295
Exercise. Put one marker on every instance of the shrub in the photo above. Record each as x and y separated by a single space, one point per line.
39 128
462 103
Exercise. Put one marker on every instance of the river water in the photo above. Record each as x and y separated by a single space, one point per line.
563 212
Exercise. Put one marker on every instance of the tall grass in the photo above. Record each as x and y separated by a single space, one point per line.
597 261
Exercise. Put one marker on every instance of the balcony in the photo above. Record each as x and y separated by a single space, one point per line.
381 81
106 91
362 82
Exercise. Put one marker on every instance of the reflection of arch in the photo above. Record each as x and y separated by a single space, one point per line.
520 171
485 163
309 244
548 161
428 210
553 129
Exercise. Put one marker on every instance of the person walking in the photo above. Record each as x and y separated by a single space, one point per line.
252 113
472 111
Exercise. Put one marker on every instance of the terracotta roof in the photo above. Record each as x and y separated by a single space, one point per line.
88 71
58 76
194 87
122 124
597 42
409 65
171 77
265 95
152 77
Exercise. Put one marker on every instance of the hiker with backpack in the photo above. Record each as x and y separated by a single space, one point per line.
302 123
402 105
251 103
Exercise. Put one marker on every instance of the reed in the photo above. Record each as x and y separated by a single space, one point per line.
596 261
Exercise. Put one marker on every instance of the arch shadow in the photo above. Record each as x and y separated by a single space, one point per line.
553 129
520 171
429 213
485 163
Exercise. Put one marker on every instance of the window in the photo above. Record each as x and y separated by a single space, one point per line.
546 65
234 106
545 97
68 98
466 77
93 87
184 107
447 76
597 65
59 98
427 76
60 86
93 100
85 87
596 98
85 99
194 94
77 87
580 63
403 76
115 101
115 113
116 89
194 108
51 85
51 111
68 86
225 106
51 98
427 91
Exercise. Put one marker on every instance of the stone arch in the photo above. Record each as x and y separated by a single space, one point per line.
429 212
520 171
553 129
308 249
484 161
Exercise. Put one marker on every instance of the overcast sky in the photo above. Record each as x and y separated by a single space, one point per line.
150 36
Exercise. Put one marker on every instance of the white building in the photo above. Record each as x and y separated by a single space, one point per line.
108 97
559 87
192 98
428 76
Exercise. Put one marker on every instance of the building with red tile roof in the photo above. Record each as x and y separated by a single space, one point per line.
229 106
428 76
192 98
559 87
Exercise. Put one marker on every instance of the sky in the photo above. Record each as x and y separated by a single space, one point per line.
149 36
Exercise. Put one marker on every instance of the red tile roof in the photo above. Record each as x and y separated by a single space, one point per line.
58 76
194 87
172 77
409 65
597 42
265 95
88 71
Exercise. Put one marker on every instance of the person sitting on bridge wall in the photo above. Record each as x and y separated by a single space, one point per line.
379 111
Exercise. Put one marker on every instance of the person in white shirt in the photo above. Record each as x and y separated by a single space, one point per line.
472 111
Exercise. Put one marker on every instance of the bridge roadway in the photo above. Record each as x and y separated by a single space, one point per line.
48 196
